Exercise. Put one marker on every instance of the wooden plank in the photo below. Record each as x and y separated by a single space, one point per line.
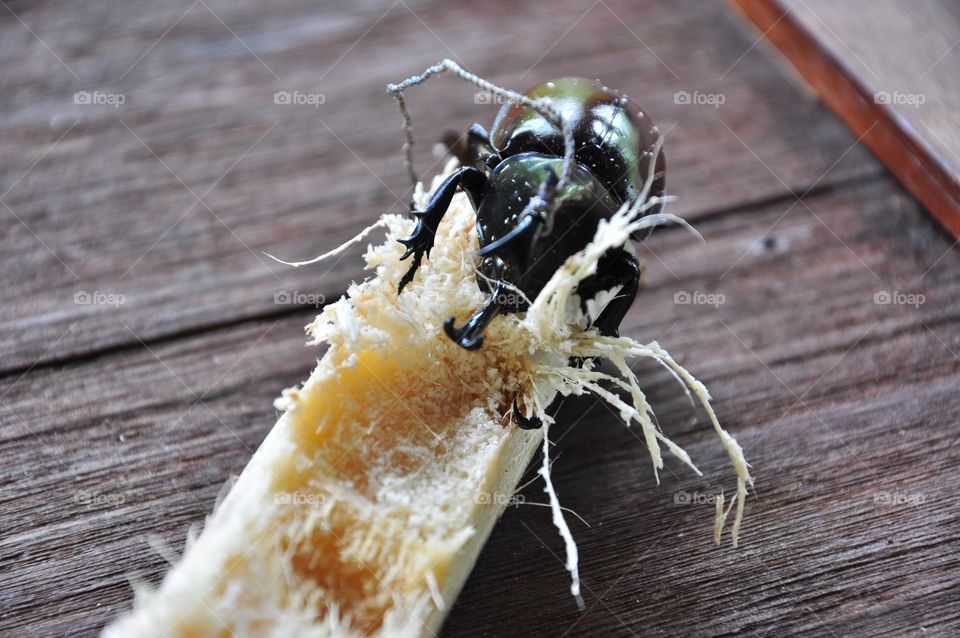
843 405
150 436
847 410
103 199
889 70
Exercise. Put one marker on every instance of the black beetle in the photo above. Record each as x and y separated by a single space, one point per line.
536 206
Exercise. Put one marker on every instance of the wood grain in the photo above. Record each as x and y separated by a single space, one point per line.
840 403
127 427
848 414
889 70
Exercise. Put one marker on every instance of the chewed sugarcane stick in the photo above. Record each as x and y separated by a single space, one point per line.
365 508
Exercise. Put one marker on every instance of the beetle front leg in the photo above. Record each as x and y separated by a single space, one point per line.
608 323
622 267
617 267
420 241
534 422
534 215
472 148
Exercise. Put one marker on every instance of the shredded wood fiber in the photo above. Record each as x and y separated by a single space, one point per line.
364 509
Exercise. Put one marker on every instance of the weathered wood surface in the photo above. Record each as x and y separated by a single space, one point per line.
111 202
128 425
889 69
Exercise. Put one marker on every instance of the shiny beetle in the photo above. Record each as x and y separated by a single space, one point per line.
536 205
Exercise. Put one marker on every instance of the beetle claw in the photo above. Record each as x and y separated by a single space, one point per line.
470 336
462 336
408 276
525 423
418 244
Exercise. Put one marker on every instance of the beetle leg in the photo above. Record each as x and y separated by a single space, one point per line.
523 231
472 148
608 323
533 422
534 215
480 151
421 241
621 267
470 336
478 144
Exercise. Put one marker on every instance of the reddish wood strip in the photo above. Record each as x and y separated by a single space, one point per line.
888 69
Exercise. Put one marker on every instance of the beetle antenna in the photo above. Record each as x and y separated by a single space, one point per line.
544 106
407 138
